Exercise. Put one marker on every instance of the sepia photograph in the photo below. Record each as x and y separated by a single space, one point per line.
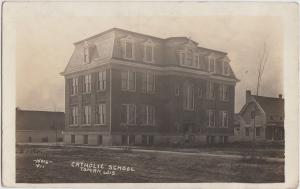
150 92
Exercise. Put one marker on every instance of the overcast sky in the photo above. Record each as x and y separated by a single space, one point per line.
46 33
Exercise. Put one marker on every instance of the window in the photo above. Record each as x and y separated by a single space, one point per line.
182 57
200 91
148 82
124 139
148 52
29 139
212 66
74 115
147 115
87 83
210 90
271 117
247 131
211 118
189 98
128 114
147 139
128 79
224 92
99 139
132 139
176 91
101 83
257 131
86 118
74 86
197 61
189 58
85 139
224 119
225 68
86 56
100 114
72 139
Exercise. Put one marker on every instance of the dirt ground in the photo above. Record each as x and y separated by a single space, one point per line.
40 164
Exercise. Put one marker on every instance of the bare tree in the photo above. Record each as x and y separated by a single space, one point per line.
261 67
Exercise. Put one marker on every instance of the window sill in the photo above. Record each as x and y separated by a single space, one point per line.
73 94
86 93
127 90
100 125
189 110
128 125
86 125
102 90
74 125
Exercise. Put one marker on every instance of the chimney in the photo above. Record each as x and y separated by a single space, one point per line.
248 95
280 96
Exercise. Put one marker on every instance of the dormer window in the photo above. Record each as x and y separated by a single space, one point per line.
197 61
212 64
225 68
86 54
128 47
148 52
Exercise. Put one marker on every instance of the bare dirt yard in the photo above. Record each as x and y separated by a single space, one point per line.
44 164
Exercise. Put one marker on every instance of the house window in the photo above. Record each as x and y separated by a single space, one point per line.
101 83
86 56
148 82
211 118
210 90
74 115
128 79
147 115
72 139
257 131
224 92
148 52
87 83
224 118
225 68
85 139
189 98
212 64
99 139
271 117
74 86
100 114
128 114
247 131
86 118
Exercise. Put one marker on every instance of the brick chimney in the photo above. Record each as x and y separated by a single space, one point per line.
248 95
280 96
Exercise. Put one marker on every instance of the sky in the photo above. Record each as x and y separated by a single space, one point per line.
45 33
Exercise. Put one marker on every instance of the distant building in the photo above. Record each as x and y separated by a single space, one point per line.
125 87
39 126
265 114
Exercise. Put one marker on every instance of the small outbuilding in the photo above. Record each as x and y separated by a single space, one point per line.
39 126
